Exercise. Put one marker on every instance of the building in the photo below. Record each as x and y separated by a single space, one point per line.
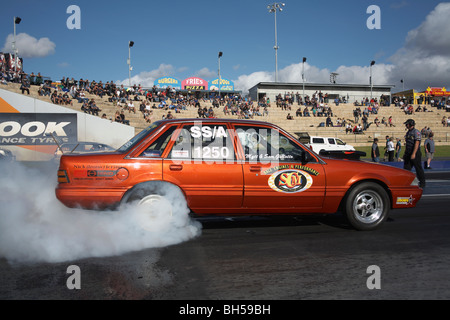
347 92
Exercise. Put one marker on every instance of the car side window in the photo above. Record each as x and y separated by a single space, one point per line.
267 145
318 140
210 142
331 141
156 149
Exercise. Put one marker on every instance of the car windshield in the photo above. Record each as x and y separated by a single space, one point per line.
137 138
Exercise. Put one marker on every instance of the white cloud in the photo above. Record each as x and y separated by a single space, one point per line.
205 73
30 47
147 78
424 59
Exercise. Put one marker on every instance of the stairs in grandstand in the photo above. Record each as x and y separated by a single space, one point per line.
278 116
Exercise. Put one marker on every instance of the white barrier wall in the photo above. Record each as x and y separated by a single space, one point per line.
89 128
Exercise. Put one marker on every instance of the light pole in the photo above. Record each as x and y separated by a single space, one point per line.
371 84
14 47
274 8
220 80
130 44
303 78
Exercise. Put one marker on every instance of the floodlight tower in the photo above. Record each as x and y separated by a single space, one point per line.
14 47
274 8
371 84
130 68
220 80
303 77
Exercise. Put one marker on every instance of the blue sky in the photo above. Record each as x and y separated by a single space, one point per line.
182 39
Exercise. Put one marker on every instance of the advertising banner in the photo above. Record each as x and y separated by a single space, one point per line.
225 85
194 84
26 129
165 82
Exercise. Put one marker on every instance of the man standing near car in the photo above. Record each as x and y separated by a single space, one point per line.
375 151
413 156
429 150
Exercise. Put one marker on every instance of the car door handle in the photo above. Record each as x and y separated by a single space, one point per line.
255 169
176 167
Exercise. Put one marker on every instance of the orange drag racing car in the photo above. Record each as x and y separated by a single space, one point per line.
234 167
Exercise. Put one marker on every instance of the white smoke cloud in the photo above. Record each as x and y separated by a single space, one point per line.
36 227
30 47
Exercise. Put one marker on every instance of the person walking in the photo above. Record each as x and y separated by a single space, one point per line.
429 150
390 149
375 151
413 156
398 148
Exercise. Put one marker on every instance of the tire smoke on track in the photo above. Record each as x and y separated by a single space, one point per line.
36 227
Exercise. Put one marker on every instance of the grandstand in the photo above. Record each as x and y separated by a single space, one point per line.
312 125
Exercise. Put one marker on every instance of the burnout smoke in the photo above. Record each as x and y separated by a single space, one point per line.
36 227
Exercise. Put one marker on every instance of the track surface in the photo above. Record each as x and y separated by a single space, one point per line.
268 258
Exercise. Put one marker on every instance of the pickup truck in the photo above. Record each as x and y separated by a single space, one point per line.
323 143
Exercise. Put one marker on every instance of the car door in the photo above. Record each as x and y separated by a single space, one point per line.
203 163
276 179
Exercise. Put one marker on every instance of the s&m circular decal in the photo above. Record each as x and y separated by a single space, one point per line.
290 181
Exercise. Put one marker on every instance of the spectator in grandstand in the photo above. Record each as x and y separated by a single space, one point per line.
25 86
123 119
391 124
376 121
444 121
306 112
131 107
329 123
85 107
117 117
66 99
348 128
39 81
3 78
289 117
94 108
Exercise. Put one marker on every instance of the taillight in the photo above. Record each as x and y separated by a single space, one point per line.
62 176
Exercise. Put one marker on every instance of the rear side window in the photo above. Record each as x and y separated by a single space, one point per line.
203 142
318 140
331 141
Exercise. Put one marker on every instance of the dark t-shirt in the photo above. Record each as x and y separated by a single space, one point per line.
376 150
411 137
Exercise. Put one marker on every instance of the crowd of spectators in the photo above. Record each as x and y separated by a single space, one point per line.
137 99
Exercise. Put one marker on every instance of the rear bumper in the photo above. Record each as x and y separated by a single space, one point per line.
89 198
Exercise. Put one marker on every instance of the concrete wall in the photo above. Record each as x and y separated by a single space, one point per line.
89 128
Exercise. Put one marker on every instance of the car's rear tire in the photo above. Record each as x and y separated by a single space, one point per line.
156 202
367 206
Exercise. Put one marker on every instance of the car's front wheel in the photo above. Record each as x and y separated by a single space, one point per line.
367 206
